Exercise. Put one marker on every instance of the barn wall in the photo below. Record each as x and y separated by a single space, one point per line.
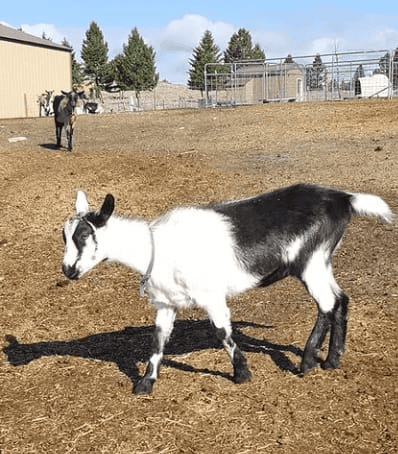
26 72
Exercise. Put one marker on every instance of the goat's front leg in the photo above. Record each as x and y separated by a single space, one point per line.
164 326
220 317
69 135
58 133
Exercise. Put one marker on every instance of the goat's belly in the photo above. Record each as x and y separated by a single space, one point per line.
175 297
183 289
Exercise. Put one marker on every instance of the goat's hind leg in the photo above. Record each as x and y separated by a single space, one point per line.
315 341
334 320
332 312
338 332
164 326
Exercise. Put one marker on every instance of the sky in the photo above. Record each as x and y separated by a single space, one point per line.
174 29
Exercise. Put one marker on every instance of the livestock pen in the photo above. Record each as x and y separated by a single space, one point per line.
74 350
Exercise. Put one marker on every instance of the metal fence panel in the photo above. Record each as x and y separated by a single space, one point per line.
344 75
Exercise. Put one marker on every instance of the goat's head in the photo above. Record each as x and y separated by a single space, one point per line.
72 97
48 95
82 235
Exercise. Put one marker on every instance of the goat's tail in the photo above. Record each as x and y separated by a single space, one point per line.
371 205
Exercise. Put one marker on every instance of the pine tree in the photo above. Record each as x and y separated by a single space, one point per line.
206 52
257 53
384 65
359 72
289 59
95 56
308 77
240 48
135 68
318 73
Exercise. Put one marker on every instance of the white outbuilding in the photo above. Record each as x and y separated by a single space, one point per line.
375 86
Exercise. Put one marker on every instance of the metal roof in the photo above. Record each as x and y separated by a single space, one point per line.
268 67
17 36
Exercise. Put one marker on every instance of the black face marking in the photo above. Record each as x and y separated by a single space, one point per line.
81 234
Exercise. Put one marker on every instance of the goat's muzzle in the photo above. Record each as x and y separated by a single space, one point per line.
71 272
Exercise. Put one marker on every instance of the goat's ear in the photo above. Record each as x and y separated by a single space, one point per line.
81 203
107 208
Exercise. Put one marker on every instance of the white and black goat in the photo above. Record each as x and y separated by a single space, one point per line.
45 102
203 255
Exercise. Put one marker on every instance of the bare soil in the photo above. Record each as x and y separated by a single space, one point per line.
73 350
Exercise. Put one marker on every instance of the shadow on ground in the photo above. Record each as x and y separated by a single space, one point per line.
132 345
50 146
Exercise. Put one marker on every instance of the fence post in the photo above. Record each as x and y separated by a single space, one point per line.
206 90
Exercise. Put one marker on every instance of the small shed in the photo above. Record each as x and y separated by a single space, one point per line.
265 82
28 66
284 81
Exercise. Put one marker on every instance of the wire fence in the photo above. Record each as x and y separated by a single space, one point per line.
348 75
344 75
164 96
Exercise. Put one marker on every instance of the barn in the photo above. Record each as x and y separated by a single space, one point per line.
28 66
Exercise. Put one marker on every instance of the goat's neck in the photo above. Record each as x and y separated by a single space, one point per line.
128 241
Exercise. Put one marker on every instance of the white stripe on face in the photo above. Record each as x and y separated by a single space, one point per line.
71 252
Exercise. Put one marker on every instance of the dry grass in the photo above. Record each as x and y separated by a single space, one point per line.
66 373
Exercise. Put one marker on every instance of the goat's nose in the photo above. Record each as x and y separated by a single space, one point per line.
70 271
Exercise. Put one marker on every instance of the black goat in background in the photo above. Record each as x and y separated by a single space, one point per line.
64 114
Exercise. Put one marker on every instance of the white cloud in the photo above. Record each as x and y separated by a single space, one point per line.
386 38
273 43
322 46
185 34
174 44
38 29
6 25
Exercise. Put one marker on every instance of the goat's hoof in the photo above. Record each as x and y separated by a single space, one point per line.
143 386
12 340
241 376
307 364
330 364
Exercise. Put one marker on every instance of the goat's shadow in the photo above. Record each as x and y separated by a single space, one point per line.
51 146
132 345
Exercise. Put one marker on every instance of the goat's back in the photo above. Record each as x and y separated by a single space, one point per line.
62 109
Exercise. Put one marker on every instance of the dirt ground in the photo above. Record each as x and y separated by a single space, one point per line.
70 352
